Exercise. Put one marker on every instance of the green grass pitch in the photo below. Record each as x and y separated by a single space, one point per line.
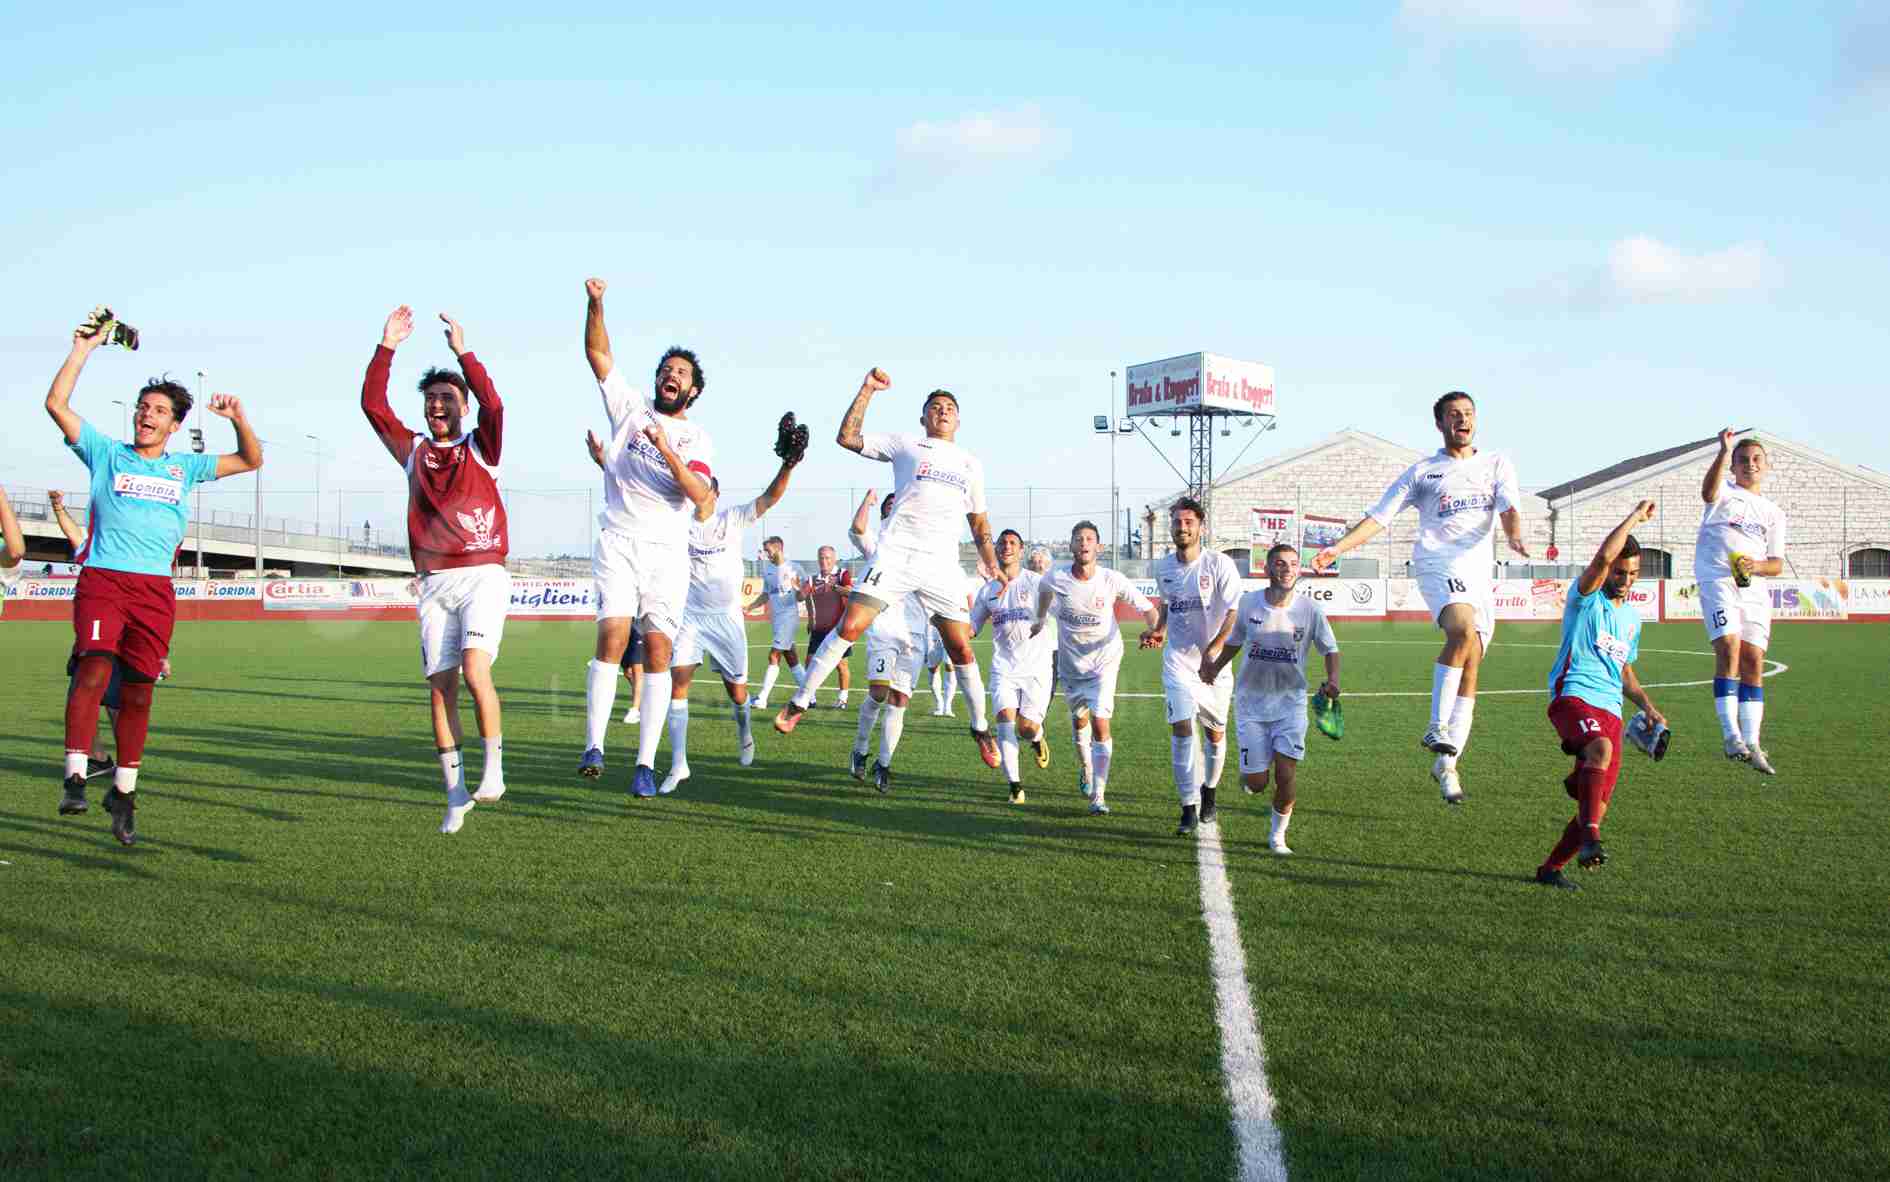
777 973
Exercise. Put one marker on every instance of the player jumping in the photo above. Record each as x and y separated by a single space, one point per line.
1020 682
1737 609
894 649
1460 493
125 607
1601 636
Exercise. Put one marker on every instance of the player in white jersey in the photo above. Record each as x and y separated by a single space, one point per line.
1741 543
1198 588
1276 628
1460 494
937 485
1020 681
1040 563
657 469
12 548
895 646
1089 651
781 583
712 625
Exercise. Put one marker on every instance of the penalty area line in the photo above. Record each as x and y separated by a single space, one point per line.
1259 1156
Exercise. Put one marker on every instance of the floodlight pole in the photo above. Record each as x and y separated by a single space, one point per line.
318 485
1115 555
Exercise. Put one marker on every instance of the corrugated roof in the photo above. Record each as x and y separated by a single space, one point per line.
1625 468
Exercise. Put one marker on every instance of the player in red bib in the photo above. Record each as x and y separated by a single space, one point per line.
456 532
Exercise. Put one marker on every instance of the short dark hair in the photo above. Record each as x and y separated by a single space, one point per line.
689 355
1086 524
1437 408
773 540
1630 548
1280 548
1748 441
175 391
940 394
1014 534
451 377
1191 505
886 503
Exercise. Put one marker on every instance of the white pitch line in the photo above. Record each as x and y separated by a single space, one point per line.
1257 1144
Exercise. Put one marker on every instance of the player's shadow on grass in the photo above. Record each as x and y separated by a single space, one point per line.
87 828
109 856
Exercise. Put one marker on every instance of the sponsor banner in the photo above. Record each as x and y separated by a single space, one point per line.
44 590
1792 599
307 595
1265 529
1337 597
373 594
1316 533
1199 381
188 589
228 590
553 597
1867 597
1401 595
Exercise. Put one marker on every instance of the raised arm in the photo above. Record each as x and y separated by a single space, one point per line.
490 434
863 514
851 437
1716 471
394 435
595 446
596 340
12 541
777 488
59 395
75 537
248 454
1355 537
1596 572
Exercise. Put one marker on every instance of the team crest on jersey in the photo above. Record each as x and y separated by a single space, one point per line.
479 524
1299 636
1207 583
176 471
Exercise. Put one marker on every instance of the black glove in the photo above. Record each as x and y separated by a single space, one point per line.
790 440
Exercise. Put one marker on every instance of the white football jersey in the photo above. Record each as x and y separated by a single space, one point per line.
935 484
641 498
1457 503
1088 638
907 623
1739 522
782 585
1012 610
715 558
1274 642
1198 596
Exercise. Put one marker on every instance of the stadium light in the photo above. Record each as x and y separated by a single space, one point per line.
1101 424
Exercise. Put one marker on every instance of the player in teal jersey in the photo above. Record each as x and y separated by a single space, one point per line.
124 607
1593 670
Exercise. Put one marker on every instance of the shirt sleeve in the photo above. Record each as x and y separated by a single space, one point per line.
862 544
1508 494
1634 641
741 516
700 458
91 445
202 467
1237 636
1396 498
620 401
1128 593
1322 636
489 436
1227 592
880 447
394 435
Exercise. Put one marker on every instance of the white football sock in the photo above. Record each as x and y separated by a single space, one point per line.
1444 682
125 779
892 724
820 667
600 698
1101 753
799 669
951 691
863 737
768 679
678 733
744 719
1085 751
1726 707
458 804
450 768
938 690
1277 830
75 762
973 683
1460 719
1007 749
1751 716
656 687
1216 755
493 770
1181 760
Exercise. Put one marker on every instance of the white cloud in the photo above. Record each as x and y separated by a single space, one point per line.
1597 31
1646 270
981 140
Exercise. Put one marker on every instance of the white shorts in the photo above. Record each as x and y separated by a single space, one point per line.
937 583
1443 588
1026 693
462 608
1190 698
787 629
1261 741
891 661
640 580
1729 609
1092 693
718 635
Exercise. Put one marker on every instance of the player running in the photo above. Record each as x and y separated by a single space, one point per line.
826 597
458 535
125 607
937 483
1198 588
712 624
781 583
1601 636
656 476
1089 651
1739 523
1277 628
1020 682
1460 493
894 648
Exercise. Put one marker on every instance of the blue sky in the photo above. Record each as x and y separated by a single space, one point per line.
1626 222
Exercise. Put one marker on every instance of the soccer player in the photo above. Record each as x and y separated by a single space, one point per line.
1089 651
1277 628
125 607
1040 563
458 535
781 582
712 623
1742 540
826 597
631 663
656 477
894 649
937 482
1460 494
1198 588
12 547
1020 682
1594 668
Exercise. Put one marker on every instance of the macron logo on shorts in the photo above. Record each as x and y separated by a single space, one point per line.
148 488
